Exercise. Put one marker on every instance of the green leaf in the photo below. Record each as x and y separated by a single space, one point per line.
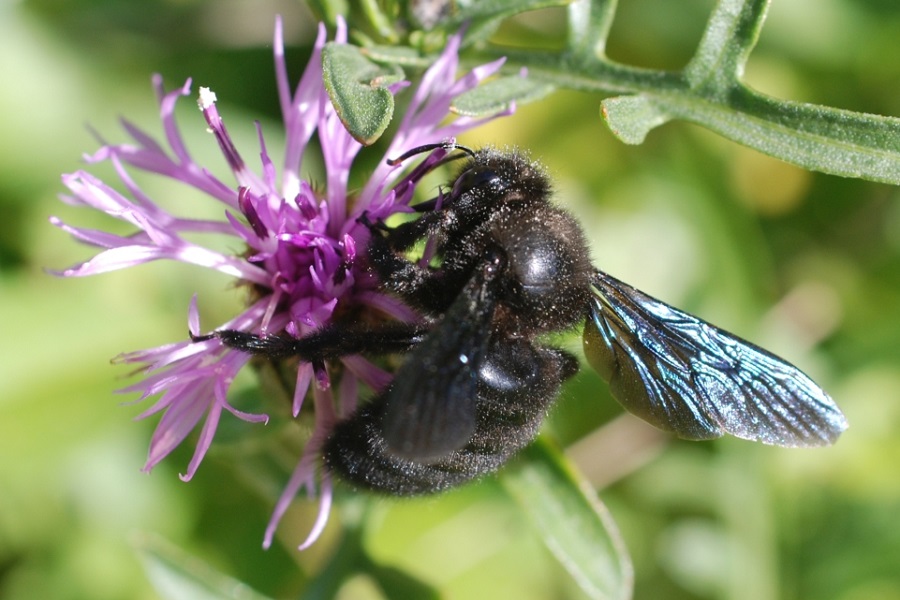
499 9
397 55
630 118
358 90
730 35
484 16
396 583
709 92
819 138
589 25
378 20
351 558
176 574
573 523
497 95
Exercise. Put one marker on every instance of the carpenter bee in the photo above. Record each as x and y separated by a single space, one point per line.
477 380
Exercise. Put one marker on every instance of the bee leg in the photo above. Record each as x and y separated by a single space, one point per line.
404 236
332 341
428 289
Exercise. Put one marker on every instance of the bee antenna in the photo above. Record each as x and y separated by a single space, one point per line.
429 148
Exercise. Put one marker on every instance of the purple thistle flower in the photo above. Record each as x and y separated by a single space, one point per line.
301 257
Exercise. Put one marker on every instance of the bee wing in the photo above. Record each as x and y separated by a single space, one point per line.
431 403
686 376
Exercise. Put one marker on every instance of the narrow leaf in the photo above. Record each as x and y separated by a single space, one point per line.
482 17
397 55
358 90
351 558
176 574
378 20
589 25
820 138
499 9
396 583
573 523
730 35
497 95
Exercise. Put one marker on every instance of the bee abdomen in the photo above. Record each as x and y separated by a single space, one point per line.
516 386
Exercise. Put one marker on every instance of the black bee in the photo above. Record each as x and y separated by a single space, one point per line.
478 381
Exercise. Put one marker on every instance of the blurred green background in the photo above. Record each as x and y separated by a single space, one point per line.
804 264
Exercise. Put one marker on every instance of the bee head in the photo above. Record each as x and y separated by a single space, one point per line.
501 177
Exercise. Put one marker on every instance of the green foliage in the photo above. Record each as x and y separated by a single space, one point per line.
708 91
352 559
498 95
577 529
359 91
177 575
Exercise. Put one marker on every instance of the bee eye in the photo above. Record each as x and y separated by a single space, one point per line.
477 177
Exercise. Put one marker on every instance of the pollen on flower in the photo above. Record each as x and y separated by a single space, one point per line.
206 98
294 247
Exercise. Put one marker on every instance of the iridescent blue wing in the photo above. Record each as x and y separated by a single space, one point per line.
688 377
